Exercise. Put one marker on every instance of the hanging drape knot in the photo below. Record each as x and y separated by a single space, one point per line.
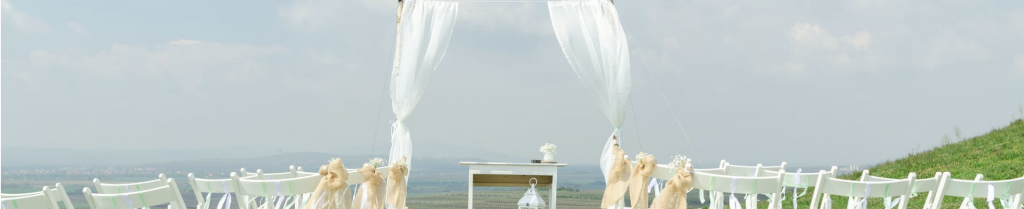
618 175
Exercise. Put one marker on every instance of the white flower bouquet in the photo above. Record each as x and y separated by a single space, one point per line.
376 162
403 163
640 157
549 148
678 161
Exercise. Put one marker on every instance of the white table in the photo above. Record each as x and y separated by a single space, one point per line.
495 174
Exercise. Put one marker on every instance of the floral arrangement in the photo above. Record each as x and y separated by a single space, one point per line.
402 163
640 157
549 148
376 162
678 161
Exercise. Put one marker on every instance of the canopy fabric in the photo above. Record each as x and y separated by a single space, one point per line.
588 31
425 28
594 43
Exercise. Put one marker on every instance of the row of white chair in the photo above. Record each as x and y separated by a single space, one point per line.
773 181
265 190
47 198
283 187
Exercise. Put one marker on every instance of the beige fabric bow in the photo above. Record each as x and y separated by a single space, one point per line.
370 189
640 179
674 194
618 174
333 180
397 184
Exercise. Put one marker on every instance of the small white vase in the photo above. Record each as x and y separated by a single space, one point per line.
548 157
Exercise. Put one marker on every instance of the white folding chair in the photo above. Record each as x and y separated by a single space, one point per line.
799 180
1008 192
752 185
276 193
109 188
227 187
58 194
920 185
40 200
725 168
166 194
827 186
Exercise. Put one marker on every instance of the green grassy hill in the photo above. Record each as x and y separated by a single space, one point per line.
998 155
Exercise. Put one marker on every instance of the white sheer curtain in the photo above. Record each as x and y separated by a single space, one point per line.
595 45
425 29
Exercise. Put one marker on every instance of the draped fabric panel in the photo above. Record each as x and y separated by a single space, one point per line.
594 43
425 28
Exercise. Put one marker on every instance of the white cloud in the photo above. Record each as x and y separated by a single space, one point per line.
23 22
813 47
77 28
861 41
185 42
808 35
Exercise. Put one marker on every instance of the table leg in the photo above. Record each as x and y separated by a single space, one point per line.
470 190
554 191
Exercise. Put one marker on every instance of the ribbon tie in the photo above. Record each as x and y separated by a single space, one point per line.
369 191
226 197
638 181
674 195
333 180
733 202
397 184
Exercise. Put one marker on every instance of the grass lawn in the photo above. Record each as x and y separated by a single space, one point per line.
998 155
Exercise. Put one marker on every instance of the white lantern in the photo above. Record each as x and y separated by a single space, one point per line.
531 200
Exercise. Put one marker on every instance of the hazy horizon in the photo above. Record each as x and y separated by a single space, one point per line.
806 82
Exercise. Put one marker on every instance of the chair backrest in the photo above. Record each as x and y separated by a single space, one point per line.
745 170
40 200
719 170
1011 189
291 173
253 186
929 185
300 172
920 185
800 179
107 188
862 189
291 189
166 194
737 184
60 195
200 185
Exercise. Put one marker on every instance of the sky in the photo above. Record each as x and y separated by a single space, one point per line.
808 82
